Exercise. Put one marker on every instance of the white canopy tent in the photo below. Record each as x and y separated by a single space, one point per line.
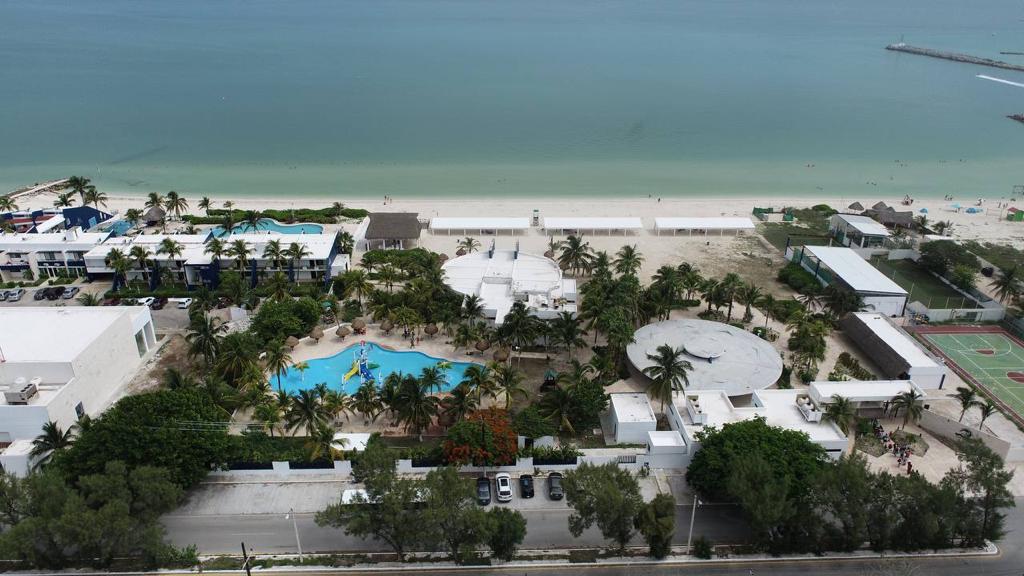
480 225
592 224
702 225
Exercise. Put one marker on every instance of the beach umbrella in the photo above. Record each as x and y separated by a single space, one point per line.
923 210
500 355
291 342
343 331
358 324
430 329
855 206
482 345
316 333
387 325
460 252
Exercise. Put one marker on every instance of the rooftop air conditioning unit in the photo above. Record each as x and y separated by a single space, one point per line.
20 392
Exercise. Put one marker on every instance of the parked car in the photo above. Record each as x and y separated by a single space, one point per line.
526 486
15 295
158 303
555 491
483 491
69 292
39 294
503 487
3 295
184 303
147 301
112 302
54 292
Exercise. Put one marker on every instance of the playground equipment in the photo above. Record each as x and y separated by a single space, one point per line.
361 366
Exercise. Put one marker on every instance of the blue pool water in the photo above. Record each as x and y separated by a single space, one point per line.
266 224
332 369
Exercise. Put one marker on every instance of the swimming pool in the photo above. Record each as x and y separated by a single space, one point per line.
383 362
266 224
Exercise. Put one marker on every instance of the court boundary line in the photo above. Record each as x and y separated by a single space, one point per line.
984 371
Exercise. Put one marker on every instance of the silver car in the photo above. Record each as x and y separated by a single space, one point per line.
15 295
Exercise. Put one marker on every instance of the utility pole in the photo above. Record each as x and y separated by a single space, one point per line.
295 525
693 516
247 561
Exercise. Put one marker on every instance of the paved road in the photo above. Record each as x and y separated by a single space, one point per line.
274 534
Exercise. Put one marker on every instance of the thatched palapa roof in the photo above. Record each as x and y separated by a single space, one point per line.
291 342
393 226
855 206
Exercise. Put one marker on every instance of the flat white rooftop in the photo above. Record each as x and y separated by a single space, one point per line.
861 390
504 277
855 272
864 225
632 407
74 239
55 334
663 438
723 357
592 223
696 223
897 340
481 223
777 407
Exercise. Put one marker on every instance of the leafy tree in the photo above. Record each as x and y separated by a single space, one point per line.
657 524
486 438
983 481
282 318
506 531
964 277
451 513
181 430
606 495
842 492
528 422
764 496
941 256
387 512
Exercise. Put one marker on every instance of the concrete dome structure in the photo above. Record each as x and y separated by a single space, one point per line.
723 357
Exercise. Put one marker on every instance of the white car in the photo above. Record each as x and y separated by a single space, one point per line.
184 303
148 300
503 487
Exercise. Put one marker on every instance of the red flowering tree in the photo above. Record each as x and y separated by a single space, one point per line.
485 438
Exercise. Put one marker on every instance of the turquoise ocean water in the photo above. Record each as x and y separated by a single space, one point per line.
530 97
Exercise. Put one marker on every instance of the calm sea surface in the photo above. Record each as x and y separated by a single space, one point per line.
527 97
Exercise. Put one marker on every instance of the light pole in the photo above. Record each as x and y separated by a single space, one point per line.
693 516
295 525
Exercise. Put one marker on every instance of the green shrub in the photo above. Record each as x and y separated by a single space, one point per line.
800 280
702 548
784 309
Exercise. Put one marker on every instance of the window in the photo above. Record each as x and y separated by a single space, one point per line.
79 410
140 343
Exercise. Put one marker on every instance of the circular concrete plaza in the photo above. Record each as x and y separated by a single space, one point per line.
723 357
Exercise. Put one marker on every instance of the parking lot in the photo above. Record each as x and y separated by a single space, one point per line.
168 319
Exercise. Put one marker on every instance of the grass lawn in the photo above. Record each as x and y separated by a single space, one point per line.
776 234
1002 255
922 284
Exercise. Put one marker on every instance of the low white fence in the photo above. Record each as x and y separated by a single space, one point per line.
948 428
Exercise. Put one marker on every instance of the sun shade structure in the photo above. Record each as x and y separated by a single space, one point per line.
723 357
891 349
691 225
861 392
480 225
389 230
609 225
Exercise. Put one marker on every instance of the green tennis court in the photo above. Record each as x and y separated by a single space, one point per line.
990 358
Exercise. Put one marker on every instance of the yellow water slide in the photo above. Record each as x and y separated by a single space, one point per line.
353 371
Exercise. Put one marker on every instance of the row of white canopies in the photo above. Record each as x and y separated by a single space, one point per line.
609 225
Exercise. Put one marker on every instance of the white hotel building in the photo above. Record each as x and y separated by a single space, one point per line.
46 255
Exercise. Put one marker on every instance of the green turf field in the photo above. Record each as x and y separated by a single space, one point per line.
992 359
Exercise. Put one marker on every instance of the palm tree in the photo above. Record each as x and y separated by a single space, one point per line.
171 248
154 200
7 204
576 255
204 337
304 411
302 367
140 254
366 401
277 359
668 373
117 261
205 204
52 439
89 299
239 250
460 403
64 200
748 295
942 227
252 220
922 222
520 328
468 245
336 403
730 284
987 409
277 287
175 379
841 412
322 445
479 380
78 185
553 246
133 216
811 298
472 307
94 197
509 382
628 261
1008 285
567 330
274 252
296 252
228 205
416 407
841 301
557 405
387 275
909 403
175 203
357 283
968 398
216 249
269 414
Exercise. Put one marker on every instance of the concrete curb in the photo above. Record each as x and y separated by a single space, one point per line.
990 550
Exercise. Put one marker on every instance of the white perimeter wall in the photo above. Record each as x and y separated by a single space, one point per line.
889 305
928 378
